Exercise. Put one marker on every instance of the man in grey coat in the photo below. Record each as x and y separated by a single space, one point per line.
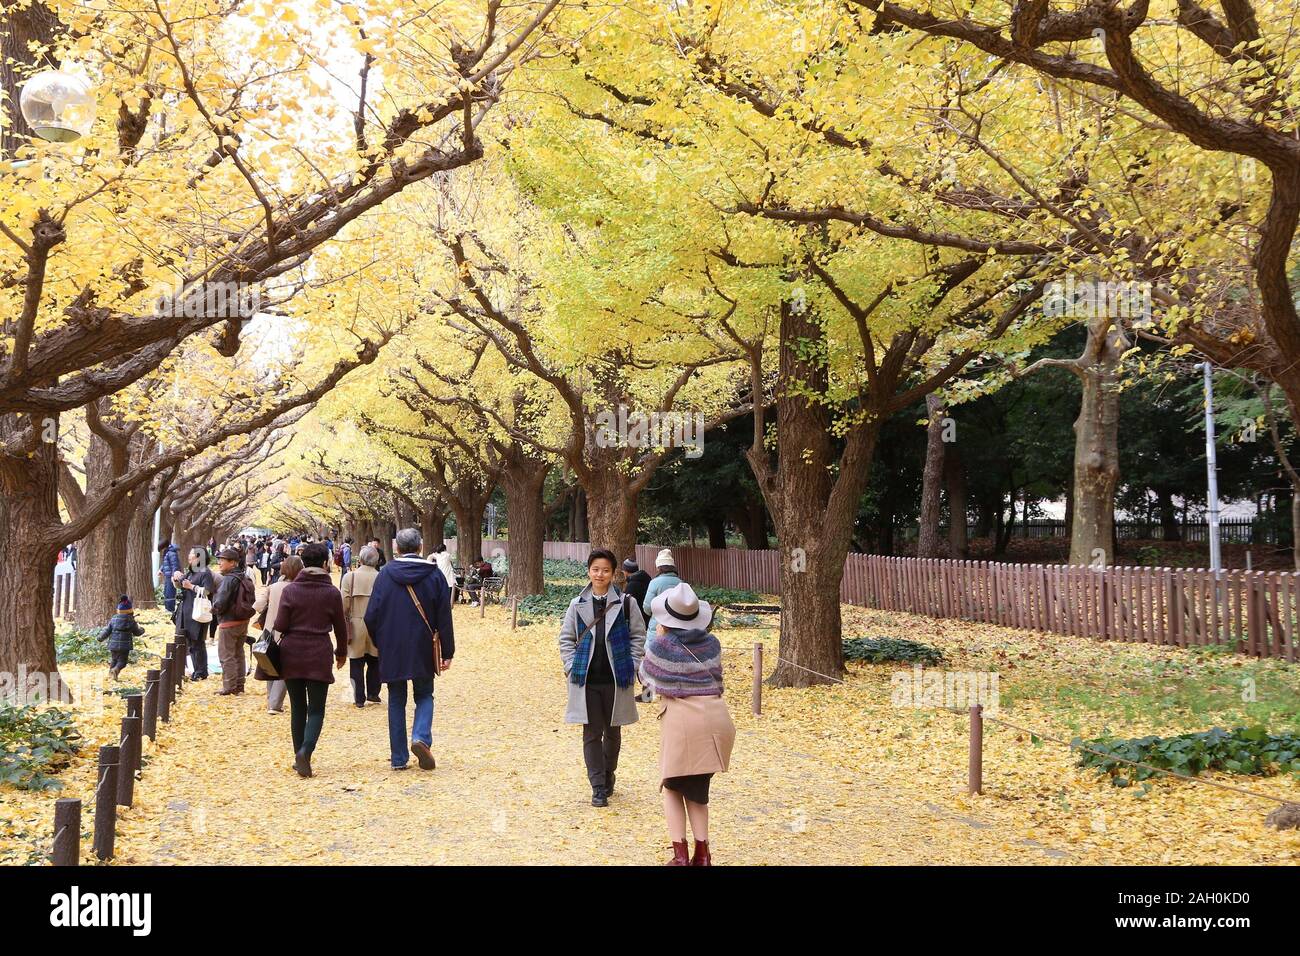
601 643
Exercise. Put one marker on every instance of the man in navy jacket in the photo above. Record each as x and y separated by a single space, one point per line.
406 645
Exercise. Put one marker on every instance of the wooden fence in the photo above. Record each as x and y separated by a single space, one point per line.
1231 530
1257 612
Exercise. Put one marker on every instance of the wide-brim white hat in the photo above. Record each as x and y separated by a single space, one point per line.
679 607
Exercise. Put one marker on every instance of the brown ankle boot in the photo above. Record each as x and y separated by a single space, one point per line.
680 855
702 857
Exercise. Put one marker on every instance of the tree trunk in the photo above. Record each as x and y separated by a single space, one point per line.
813 512
140 549
1096 446
469 530
611 513
1169 530
432 522
929 544
29 515
526 510
581 527
20 27
717 531
955 476
751 519
101 562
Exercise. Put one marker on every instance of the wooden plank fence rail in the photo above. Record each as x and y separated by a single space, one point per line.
1257 612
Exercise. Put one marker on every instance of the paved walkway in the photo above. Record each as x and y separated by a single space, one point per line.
510 785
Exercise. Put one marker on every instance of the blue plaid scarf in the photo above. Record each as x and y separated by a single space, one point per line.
620 642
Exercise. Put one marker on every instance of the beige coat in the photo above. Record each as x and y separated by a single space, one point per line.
356 587
696 736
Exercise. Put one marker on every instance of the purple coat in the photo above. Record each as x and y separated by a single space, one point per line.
310 606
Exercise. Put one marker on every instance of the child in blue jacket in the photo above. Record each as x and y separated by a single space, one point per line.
120 632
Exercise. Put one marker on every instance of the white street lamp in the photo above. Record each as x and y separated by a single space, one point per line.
58 106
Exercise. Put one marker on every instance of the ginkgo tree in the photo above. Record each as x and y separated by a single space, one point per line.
841 325
226 154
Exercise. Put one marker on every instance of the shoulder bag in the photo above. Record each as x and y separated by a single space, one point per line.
437 642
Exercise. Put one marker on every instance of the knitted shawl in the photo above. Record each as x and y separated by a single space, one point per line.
620 642
683 664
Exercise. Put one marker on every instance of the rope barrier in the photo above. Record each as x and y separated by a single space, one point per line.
1135 763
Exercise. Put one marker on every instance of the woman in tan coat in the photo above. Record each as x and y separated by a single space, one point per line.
363 656
683 665
267 606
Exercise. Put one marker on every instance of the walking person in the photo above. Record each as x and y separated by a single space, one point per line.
363 656
120 632
409 603
197 579
310 607
263 561
345 559
683 665
601 643
232 609
168 565
267 607
666 577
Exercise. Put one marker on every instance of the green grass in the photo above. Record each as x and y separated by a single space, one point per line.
1192 689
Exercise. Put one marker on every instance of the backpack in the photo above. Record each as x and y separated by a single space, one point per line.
241 609
338 557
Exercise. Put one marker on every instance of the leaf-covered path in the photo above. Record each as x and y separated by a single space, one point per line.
510 785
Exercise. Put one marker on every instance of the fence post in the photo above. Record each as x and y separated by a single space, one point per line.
482 602
178 671
514 611
67 832
149 723
165 689
126 766
975 773
106 802
758 679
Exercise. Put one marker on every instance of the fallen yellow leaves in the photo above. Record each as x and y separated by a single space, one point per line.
827 775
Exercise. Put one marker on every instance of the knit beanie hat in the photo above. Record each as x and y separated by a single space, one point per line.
664 557
124 603
630 566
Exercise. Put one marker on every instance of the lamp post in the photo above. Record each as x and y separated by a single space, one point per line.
1212 473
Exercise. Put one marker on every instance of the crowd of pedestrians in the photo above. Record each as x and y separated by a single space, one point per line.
391 622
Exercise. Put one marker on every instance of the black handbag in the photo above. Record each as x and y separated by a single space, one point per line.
267 652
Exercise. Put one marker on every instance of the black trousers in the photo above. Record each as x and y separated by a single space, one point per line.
601 741
365 678
118 657
306 711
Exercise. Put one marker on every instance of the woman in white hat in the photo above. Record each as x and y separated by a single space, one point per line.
683 665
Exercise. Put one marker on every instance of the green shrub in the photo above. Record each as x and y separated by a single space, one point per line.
552 602
1243 750
34 744
80 646
884 650
561 569
719 596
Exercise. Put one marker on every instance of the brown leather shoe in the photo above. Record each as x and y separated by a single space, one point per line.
680 855
701 857
424 755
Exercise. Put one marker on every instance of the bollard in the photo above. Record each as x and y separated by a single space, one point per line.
482 602
178 668
67 832
975 774
758 679
106 802
127 764
514 612
164 690
149 716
